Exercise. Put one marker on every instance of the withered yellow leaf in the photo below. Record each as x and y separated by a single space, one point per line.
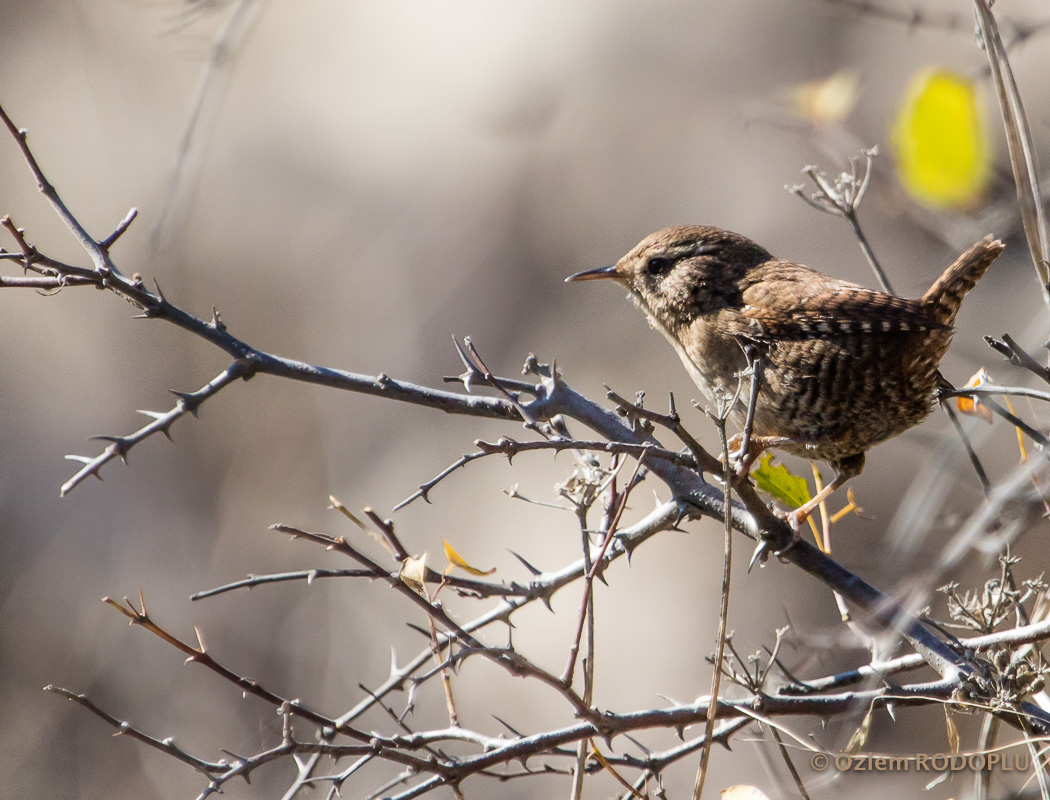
456 560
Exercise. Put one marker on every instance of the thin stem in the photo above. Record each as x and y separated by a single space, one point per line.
790 764
989 732
869 254
755 363
723 613
582 748
982 476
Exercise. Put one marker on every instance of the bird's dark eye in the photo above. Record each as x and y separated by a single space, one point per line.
658 265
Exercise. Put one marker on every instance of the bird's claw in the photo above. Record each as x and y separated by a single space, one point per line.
794 519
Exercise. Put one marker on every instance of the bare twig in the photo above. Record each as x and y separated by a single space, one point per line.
99 255
795 777
166 746
982 476
754 364
1018 355
610 535
1037 437
199 654
474 374
188 403
991 390
843 199
308 575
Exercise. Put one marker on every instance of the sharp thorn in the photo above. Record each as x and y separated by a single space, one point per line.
761 554
526 564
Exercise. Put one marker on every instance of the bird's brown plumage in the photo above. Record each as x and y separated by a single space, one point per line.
844 367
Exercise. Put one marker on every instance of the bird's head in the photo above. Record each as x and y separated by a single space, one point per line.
680 273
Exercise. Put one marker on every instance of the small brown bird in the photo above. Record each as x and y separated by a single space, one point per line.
843 367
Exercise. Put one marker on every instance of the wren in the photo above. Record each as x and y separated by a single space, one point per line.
843 368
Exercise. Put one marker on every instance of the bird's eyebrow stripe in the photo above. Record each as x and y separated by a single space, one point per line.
701 249
690 250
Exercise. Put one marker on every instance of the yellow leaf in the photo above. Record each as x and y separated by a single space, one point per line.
777 481
943 159
1020 433
456 560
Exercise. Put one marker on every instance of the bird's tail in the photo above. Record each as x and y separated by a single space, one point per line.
943 299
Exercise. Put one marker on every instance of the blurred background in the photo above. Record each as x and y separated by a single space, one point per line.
351 184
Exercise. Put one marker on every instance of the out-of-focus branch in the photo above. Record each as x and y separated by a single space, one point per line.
1013 637
919 17
1019 143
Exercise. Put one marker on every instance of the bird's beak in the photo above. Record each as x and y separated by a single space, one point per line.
594 274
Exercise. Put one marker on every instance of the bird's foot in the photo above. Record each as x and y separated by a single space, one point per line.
740 459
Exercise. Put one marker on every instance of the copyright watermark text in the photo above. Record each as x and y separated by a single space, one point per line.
922 762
